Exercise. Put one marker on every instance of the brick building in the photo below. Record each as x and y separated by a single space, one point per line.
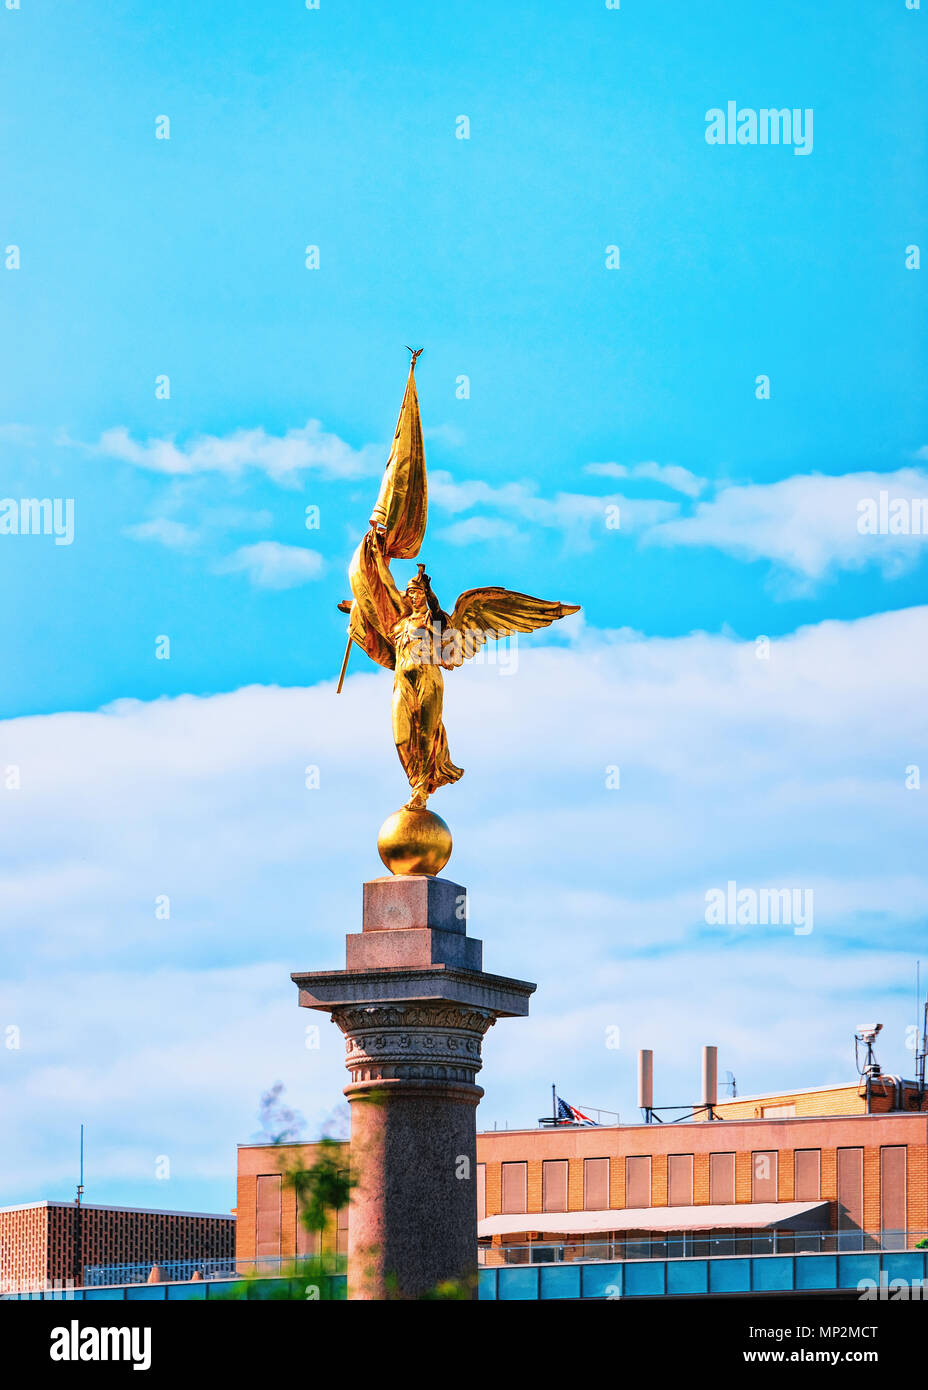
267 1225
886 1094
802 1164
863 1178
48 1244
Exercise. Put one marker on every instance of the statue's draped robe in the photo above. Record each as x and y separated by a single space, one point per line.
418 692
380 622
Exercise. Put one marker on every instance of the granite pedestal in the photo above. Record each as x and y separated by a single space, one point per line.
414 1005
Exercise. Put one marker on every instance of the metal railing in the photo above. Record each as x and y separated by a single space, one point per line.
554 1121
698 1246
183 1271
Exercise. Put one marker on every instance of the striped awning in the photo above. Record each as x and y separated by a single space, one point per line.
738 1216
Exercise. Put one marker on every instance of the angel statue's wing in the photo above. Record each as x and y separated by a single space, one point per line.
485 615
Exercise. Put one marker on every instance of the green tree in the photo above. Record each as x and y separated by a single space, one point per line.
321 1191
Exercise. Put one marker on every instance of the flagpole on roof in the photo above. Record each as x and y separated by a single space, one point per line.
554 1102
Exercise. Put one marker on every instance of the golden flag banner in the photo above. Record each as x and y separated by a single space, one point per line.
410 633
398 527
402 506
377 603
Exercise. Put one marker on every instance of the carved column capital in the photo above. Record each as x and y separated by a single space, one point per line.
437 1042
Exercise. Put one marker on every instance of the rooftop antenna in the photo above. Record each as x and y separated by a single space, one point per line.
710 1081
870 1071
706 1109
923 1054
646 1083
731 1083
80 1185
77 1273
921 1046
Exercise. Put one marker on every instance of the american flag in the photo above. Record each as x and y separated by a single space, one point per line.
570 1115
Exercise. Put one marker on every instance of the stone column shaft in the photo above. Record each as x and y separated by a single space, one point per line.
414 1007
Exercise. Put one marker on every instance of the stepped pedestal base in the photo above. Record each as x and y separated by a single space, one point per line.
414 1005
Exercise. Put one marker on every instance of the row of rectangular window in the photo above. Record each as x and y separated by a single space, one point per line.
807 1182
268 1221
807 1187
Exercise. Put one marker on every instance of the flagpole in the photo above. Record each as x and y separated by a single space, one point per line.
341 674
554 1102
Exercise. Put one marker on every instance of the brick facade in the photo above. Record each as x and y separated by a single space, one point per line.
744 1138
24 1247
46 1244
821 1100
292 1240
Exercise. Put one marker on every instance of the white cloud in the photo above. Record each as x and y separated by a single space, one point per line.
270 565
237 519
477 528
807 523
284 458
176 535
670 474
310 449
453 496
578 515
450 435
787 771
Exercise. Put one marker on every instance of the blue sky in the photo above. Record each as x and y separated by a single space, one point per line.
588 387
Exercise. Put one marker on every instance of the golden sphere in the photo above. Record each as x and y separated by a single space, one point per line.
414 842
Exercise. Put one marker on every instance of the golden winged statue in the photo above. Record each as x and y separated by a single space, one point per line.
410 633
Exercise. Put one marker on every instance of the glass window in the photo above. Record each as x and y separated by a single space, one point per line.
341 1223
850 1198
554 1184
595 1184
638 1181
680 1180
808 1175
892 1195
514 1184
764 1176
308 1243
721 1179
267 1217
